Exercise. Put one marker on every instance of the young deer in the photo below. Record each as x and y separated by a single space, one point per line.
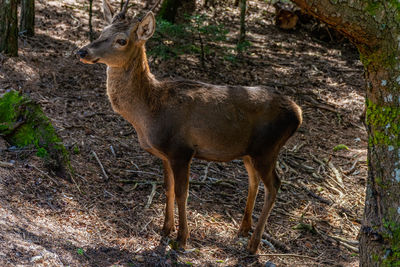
177 120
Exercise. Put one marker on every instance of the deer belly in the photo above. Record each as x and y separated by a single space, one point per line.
220 147
220 157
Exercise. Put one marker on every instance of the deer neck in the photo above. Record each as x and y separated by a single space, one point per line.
132 88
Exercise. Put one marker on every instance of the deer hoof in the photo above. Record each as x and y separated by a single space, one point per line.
181 244
167 229
252 247
181 240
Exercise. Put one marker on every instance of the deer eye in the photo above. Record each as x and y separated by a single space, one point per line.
121 42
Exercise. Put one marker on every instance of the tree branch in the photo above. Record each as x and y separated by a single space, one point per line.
348 17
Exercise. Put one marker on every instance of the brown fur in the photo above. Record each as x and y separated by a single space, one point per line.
177 120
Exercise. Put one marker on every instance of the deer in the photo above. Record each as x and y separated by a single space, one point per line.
177 120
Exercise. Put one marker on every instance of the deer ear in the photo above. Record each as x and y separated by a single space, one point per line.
146 27
107 11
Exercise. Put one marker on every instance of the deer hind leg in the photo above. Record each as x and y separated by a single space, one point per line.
169 224
180 169
254 181
271 185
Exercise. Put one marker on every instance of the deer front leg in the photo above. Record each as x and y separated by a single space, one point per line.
169 223
180 169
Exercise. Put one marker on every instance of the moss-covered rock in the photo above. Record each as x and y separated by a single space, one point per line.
23 124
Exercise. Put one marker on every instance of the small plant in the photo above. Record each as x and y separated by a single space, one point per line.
168 40
243 46
230 57
41 152
75 150
340 147
304 227
80 251
205 32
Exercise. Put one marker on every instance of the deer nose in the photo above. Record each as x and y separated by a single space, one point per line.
82 53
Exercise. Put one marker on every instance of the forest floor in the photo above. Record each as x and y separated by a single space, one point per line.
93 221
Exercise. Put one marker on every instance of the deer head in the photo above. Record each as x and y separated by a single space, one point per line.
119 40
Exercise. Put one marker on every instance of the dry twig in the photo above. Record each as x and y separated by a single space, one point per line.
206 172
320 162
342 241
278 244
337 174
322 106
230 216
6 164
282 255
224 182
144 172
306 168
151 196
44 173
100 164
352 168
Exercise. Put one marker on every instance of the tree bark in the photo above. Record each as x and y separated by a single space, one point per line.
242 33
91 33
373 26
27 24
9 27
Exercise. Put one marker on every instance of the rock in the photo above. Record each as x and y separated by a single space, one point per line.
3 144
37 259
270 264
139 258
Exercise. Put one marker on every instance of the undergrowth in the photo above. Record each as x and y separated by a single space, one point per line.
195 36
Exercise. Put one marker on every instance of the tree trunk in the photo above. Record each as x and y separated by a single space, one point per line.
242 34
91 33
9 27
27 24
169 9
373 27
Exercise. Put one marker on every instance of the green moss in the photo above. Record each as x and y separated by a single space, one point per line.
8 115
380 183
389 256
23 123
340 147
395 4
377 57
372 7
385 124
391 236
375 258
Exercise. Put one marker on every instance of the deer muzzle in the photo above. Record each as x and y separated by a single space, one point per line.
82 53
85 57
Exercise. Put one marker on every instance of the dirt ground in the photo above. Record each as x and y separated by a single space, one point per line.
95 221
